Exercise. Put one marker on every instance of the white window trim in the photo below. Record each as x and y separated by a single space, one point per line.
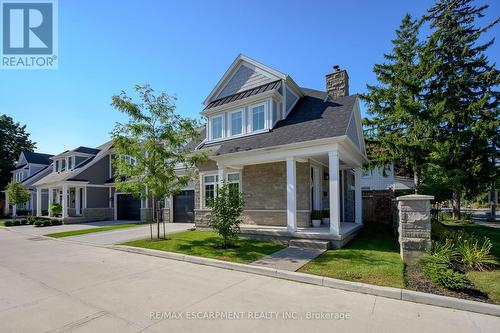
251 108
203 183
230 122
234 182
222 116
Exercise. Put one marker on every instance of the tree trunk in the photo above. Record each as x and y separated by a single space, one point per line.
456 204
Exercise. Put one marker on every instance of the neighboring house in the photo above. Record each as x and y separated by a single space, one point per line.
385 178
290 150
30 167
82 181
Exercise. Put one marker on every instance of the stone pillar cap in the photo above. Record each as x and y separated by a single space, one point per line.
415 197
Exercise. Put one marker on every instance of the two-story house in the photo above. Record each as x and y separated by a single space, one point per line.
81 180
29 168
288 149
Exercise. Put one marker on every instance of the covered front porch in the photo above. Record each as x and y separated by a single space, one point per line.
79 200
282 187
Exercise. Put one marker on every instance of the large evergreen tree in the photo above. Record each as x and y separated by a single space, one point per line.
462 99
13 140
398 131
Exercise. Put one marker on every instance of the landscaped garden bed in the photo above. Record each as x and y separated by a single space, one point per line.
208 244
35 221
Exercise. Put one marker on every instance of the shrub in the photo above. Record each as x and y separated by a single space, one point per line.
8 223
30 219
443 251
56 222
47 223
445 276
16 223
38 223
473 254
55 209
227 207
316 215
24 222
326 213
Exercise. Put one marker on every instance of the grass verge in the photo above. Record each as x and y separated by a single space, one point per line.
372 257
92 230
204 244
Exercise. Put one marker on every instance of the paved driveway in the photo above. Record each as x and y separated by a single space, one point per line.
127 234
58 286
66 227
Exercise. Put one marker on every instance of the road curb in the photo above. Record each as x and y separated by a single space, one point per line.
387 292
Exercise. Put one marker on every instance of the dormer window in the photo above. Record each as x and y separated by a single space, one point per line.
217 126
56 166
258 117
70 163
63 165
236 122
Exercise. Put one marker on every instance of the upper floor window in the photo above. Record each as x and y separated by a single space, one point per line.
63 165
217 127
258 116
70 163
236 122
57 165
233 179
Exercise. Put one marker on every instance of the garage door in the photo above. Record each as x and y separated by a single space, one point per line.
184 206
128 207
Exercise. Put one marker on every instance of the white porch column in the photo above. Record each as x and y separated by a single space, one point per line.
358 200
84 198
291 194
333 179
221 174
51 198
78 200
38 201
64 201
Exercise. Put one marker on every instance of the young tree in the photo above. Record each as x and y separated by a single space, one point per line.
398 130
462 99
17 194
13 140
156 137
227 207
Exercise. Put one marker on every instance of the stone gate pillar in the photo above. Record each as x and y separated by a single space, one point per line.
414 225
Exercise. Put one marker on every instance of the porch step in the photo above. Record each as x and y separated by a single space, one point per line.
309 244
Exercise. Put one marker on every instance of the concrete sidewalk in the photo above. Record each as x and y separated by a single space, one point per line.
289 259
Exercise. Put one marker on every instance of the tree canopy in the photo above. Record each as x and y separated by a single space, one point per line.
13 140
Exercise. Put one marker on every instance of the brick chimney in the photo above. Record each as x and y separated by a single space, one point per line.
337 83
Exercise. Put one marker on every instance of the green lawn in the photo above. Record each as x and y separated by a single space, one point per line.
2 223
487 281
372 257
92 230
201 243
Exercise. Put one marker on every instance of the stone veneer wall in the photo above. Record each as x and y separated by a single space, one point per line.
264 192
146 214
98 213
414 225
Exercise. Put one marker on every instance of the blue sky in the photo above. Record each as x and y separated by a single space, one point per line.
184 47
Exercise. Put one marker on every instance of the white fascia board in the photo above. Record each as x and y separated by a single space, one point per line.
227 74
294 86
241 102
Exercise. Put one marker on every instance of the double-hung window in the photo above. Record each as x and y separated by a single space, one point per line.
258 116
233 179
236 122
217 123
210 184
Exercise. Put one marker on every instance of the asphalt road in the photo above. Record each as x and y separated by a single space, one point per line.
59 286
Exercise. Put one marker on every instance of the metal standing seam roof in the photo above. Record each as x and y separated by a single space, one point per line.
245 94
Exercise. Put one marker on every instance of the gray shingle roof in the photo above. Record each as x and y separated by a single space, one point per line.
86 150
312 118
244 94
37 158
